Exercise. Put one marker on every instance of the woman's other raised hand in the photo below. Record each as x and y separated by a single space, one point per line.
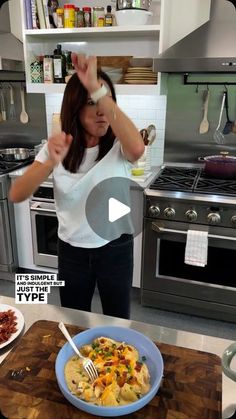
86 68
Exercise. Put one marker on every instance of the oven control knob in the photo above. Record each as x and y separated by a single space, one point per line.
154 211
169 212
233 220
213 218
191 215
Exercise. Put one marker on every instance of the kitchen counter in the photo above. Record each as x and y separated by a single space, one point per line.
143 181
215 345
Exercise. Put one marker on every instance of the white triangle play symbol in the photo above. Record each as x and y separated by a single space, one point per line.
116 209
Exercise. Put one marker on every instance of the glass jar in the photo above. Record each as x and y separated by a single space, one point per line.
69 16
87 17
98 16
80 19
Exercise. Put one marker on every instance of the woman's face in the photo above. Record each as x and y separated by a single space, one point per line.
94 122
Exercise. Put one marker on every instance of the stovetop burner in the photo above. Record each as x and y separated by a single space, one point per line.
7 167
186 179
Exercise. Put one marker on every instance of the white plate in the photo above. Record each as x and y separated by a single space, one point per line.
19 320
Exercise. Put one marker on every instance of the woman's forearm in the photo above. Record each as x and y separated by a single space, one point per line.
24 186
123 128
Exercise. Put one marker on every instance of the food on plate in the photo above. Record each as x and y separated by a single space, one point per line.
8 323
123 376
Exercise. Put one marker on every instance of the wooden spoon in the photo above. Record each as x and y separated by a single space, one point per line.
24 118
204 125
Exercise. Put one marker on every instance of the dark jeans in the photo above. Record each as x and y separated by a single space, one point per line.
110 267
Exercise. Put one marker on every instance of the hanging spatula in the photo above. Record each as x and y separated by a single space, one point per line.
229 124
204 125
12 110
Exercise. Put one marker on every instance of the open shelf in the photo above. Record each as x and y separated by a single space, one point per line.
121 89
85 33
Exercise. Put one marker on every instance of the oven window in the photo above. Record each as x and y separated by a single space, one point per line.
46 229
220 268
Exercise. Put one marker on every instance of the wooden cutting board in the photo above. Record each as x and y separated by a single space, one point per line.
191 388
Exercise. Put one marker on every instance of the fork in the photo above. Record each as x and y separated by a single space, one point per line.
87 363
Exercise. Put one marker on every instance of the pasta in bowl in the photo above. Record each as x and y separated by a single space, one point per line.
129 365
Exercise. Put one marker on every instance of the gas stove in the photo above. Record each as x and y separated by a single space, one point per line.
7 167
192 180
187 194
179 200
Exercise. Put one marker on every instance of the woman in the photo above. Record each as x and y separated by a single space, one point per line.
98 141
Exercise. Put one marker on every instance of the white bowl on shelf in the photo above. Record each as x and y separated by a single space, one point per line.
115 73
132 17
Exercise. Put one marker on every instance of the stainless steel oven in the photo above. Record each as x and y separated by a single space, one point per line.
44 226
167 281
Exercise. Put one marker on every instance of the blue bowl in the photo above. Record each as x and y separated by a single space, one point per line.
145 347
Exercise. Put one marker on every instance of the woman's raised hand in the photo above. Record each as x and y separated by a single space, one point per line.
58 146
86 68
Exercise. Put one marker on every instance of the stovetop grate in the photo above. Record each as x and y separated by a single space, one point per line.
175 179
7 167
186 179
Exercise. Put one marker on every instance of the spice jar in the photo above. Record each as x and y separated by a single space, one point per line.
87 16
69 16
60 18
80 19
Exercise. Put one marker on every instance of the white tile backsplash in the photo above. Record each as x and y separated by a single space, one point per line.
142 110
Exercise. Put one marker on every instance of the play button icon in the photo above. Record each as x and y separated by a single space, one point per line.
114 207
117 210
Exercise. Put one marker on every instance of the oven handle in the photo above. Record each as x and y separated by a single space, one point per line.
159 229
36 208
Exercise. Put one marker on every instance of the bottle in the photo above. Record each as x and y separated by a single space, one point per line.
108 17
48 69
69 16
60 18
87 17
59 65
80 19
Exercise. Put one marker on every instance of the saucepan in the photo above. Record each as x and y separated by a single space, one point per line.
15 154
220 166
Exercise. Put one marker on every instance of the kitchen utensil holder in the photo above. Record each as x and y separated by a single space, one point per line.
198 83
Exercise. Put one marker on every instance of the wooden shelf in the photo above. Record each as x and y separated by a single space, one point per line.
121 89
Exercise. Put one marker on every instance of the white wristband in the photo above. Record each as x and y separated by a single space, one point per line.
98 94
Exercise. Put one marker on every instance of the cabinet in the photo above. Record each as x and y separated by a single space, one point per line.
16 19
171 21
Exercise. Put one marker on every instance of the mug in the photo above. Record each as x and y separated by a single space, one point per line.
227 357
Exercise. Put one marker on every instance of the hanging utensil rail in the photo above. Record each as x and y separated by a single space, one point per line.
218 83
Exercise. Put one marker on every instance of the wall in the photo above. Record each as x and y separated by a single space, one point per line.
183 143
143 110
13 132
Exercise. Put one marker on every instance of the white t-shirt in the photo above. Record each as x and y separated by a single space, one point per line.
71 191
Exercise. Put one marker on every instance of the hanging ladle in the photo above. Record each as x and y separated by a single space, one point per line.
229 124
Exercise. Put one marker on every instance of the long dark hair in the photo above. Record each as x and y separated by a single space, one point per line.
75 98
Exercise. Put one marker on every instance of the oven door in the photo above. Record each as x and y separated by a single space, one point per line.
44 233
164 270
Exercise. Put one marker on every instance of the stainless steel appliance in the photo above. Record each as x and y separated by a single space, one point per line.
8 250
44 226
179 199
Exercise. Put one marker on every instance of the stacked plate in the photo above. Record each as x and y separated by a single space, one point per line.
140 75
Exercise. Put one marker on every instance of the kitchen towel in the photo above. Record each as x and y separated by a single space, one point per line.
196 248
